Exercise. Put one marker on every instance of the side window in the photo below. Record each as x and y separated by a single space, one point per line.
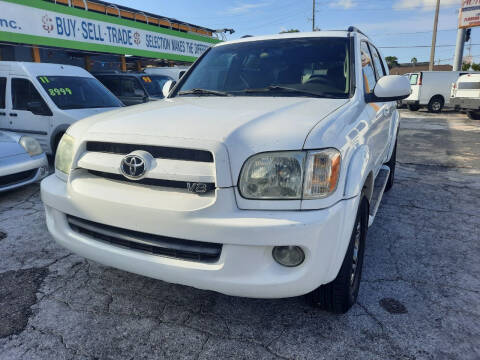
379 69
3 88
112 83
131 87
369 80
26 97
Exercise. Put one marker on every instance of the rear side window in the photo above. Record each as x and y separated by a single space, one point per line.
112 83
369 80
3 88
379 69
413 79
131 87
24 94
469 86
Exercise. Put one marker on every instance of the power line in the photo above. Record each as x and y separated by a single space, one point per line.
417 46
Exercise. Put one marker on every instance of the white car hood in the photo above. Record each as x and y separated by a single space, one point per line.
260 123
244 125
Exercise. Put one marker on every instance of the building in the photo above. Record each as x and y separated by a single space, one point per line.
405 68
96 35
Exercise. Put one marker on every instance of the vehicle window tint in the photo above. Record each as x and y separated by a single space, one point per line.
293 67
369 80
23 93
72 92
131 87
112 83
3 88
413 79
377 61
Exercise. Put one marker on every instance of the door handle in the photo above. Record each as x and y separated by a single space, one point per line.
13 114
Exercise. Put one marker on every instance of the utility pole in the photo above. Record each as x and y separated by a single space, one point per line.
434 37
313 16
457 61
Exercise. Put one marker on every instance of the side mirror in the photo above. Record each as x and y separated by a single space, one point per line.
37 108
167 87
390 88
139 93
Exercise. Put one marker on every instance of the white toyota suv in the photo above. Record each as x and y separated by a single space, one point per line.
257 176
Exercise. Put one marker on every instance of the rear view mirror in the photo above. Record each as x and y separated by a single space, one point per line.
167 87
390 88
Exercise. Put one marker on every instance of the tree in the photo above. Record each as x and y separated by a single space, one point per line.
414 61
465 66
392 61
475 67
289 31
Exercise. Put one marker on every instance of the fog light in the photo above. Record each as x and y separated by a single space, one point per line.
288 255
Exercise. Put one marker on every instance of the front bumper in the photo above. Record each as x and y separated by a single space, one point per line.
245 267
35 168
465 103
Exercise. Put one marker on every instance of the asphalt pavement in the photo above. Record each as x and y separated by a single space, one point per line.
419 297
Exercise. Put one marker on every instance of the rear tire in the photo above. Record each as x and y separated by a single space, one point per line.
339 295
473 115
413 107
392 164
436 104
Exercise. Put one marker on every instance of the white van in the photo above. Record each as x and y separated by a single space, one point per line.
43 100
431 89
175 72
466 95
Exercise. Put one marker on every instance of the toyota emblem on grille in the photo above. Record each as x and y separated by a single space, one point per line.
133 166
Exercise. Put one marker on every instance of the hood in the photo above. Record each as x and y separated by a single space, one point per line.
78 114
254 123
9 145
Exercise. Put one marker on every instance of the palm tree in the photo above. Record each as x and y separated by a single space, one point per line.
414 61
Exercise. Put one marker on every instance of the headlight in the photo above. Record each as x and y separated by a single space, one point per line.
276 175
290 175
64 156
31 146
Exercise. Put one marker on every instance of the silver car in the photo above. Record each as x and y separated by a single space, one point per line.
22 161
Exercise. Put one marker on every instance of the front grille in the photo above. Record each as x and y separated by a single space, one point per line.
9 180
149 243
159 152
152 182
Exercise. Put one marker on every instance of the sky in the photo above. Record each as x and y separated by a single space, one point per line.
395 26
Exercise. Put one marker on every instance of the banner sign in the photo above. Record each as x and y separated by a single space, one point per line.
42 23
469 14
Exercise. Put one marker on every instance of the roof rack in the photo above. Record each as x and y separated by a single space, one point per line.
355 29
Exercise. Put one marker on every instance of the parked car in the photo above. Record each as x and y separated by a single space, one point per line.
175 72
22 161
466 95
431 89
400 103
134 88
263 185
43 100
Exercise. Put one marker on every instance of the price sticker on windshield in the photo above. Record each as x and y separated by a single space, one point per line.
146 79
59 91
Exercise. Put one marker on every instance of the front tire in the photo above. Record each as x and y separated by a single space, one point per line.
339 295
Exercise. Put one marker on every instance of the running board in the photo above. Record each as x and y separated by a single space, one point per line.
378 190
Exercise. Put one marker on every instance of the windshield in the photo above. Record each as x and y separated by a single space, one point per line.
285 67
154 84
71 92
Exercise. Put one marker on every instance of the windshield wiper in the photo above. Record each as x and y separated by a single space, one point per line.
273 88
203 92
